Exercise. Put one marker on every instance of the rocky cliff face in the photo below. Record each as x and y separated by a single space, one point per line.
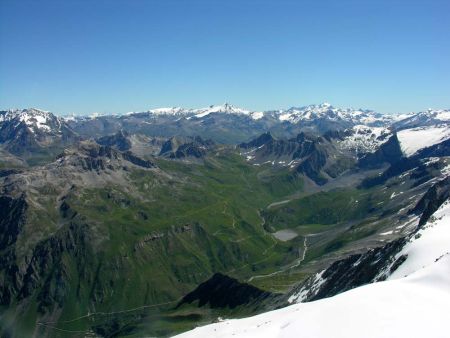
388 153
12 218
432 200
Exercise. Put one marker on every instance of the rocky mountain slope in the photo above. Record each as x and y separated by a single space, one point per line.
308 155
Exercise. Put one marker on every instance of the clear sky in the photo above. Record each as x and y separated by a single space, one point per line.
118 56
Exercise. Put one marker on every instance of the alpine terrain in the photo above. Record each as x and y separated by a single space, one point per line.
159 222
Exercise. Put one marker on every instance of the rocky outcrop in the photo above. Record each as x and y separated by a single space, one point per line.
93 157
347 273
185 147
155 236
389 152
120 141
263 139
267 148
312 156
7 172
130 157
11 218
432 200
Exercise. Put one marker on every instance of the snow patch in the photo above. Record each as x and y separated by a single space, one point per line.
364 139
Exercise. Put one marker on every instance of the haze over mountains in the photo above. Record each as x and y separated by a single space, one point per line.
153 223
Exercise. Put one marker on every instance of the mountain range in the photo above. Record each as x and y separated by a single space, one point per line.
155 222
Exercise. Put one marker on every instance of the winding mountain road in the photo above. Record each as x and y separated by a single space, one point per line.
289 267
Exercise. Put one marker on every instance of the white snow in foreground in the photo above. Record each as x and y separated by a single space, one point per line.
430 243
412 306
412 140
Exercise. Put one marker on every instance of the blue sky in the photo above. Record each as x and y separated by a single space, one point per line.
118 56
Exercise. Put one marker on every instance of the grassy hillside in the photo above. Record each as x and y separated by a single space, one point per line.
151 241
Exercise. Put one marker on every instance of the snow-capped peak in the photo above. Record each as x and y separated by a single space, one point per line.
22 114
226 108
35 119
424 118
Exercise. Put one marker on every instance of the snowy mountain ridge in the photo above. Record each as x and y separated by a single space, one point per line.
295 115
35 119
327 111
28 130
425 118
225 108
364 130
292 115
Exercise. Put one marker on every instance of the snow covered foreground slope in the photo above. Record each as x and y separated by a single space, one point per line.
413 302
